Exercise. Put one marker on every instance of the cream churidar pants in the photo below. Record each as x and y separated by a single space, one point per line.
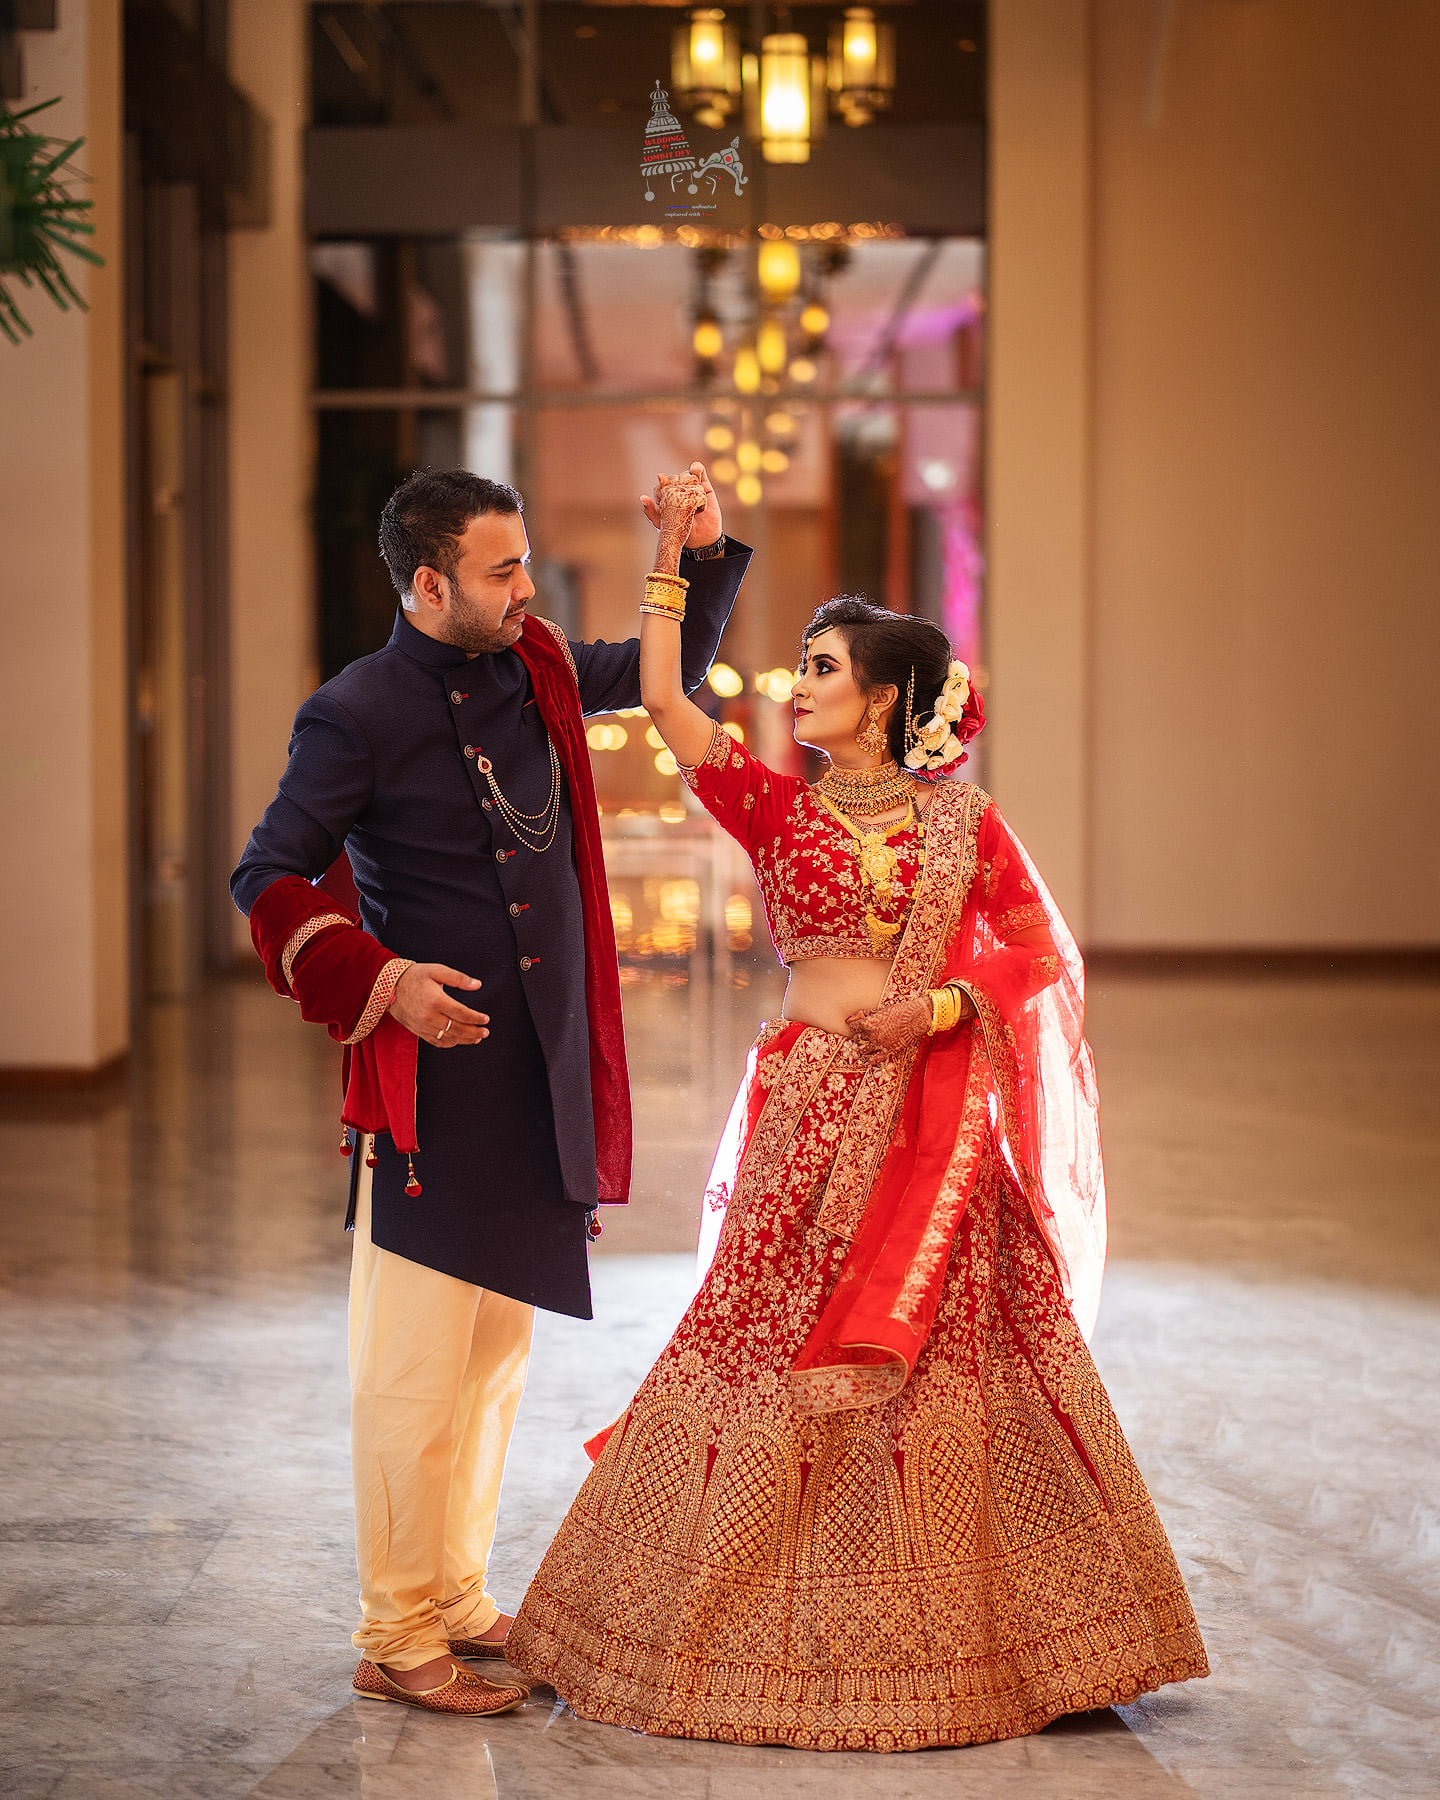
437 1367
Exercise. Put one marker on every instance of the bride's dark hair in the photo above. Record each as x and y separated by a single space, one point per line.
884 647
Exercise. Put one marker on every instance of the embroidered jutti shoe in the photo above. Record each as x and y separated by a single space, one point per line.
465 1692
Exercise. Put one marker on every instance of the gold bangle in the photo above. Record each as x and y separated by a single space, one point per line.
658 578
947 1005
677 613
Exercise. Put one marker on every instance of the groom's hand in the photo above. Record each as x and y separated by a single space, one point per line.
707 524
422 1006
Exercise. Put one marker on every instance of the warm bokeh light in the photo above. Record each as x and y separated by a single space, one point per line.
719 437
747 370
708 340
666 763
775 684
770 347
725 681
739 916
774 462
723 470
653 738
780 423
671 814
748 490
777 268
748 457
607 737
815 320
803 370
734 730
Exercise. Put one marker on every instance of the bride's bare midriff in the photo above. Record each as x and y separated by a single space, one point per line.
825 990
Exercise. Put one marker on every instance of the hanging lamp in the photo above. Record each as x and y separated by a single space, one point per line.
785 97
861 69
705 66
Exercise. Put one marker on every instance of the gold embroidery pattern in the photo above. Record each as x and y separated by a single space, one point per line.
564 643
716 757
381 995
961 1563
300 938
951 832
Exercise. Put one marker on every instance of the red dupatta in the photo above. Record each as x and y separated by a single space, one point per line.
1019 1077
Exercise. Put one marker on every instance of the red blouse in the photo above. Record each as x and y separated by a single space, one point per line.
806 862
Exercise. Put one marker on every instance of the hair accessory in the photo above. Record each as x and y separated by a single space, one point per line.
940 740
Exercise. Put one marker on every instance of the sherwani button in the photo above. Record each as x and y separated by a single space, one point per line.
514 910
489 807
525 962
456 695
470 751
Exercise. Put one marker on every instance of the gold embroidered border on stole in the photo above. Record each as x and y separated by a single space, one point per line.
950 862
805 1066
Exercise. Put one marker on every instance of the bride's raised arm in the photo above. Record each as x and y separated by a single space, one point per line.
685 728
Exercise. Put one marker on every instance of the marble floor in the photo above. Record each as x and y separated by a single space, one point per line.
176 1580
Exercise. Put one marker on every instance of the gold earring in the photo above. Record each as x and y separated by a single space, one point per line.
871 736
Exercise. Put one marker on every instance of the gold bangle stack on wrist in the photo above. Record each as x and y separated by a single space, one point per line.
665 595
947 1007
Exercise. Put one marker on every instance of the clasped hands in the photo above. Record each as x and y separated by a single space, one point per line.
679 499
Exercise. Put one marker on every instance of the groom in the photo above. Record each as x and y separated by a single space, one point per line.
470 974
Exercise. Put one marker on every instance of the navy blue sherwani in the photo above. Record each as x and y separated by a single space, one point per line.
378 766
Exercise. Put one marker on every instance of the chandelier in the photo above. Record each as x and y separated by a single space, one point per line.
787 93
774 326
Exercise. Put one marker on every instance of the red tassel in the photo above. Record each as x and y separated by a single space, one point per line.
593 1227
372 1161
346 1147
412 1186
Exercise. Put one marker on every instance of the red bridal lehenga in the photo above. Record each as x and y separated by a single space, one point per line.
873 1494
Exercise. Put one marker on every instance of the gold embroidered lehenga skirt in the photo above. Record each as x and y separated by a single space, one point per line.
964 1562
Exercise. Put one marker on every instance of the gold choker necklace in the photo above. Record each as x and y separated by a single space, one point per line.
865 792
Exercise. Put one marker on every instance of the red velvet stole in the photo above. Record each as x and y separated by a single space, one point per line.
335 972
557 694
1018 1077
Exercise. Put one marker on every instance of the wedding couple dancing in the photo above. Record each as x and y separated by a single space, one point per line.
872 1495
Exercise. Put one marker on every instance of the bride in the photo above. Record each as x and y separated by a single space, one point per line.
873 1494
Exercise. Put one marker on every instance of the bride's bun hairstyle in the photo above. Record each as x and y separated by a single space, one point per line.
939 711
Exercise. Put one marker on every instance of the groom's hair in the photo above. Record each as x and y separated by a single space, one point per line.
425 518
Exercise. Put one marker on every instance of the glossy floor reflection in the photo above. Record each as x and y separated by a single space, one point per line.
176 1587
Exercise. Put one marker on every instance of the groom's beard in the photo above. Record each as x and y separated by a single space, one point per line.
467 628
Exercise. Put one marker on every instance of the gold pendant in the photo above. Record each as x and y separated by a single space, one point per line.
882 936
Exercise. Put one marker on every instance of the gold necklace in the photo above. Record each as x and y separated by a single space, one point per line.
879 865
535 830
864 792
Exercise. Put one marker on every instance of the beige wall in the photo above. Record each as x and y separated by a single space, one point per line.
62 602
1258 200
272 651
